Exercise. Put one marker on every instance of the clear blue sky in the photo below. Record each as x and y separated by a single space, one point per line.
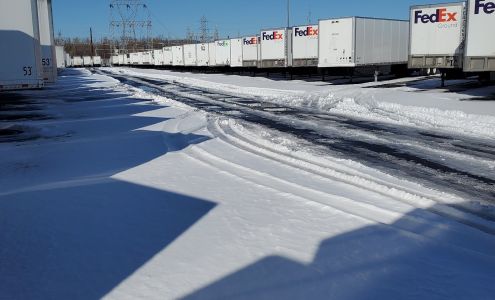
232 17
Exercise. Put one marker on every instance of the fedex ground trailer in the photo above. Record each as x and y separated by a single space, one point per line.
190 57
276 50
437 36
250 53
360 42
222 53
47 41
168 58
178 55
305 46
20 52
236 52
480 42
203 55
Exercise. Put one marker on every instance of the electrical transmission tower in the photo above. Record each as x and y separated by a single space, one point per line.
204 30
130 25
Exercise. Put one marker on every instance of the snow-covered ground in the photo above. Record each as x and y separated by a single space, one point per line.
116 192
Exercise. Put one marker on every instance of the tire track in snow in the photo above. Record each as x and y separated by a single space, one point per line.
385 152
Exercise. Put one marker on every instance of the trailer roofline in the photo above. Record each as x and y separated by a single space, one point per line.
437 4
359 17
304 25
276 28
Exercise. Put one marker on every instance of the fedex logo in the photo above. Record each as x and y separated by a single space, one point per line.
440 16
481 5
270 36
223 44
308 31
250 41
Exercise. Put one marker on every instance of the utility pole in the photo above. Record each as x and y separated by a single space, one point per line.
288 13
91 42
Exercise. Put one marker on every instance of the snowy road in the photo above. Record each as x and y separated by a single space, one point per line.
153 189
459 164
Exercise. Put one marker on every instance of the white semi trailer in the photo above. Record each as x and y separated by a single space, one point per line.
168 59
190 57
212 54
97 61
480 43
158 57
203 55
77 61
357 42
276 48
437 36
134 58
147 58
236 53
20 52
47 41
305 46
178 55
222 53
87 61
250 51
68 60
60 57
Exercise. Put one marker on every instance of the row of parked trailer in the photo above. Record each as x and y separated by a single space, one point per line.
444 36
441 36
27 47
351 42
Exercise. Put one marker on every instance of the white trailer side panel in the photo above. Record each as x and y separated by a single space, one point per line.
47 41
120 59
305 46
147 58
168 58
336 43
250 51
437 30
77 61
381 42
480 43
212 53
97 60
276 48
222 53
203 55
190 57
158 57
20 53
134 58
178 55
68 60
60 57
87 61
236 52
